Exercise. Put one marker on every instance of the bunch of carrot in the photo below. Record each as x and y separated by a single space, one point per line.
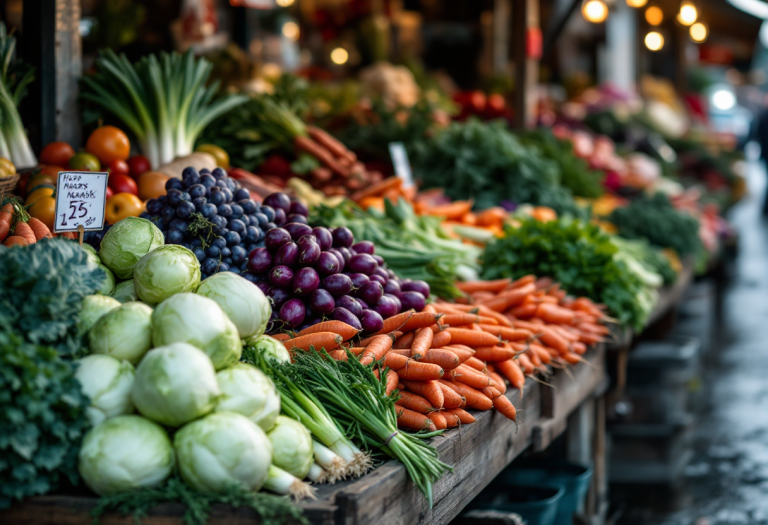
17 228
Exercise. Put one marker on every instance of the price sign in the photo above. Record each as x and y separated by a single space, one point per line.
81 197
401 163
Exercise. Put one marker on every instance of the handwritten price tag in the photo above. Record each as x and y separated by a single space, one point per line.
81 197
401 163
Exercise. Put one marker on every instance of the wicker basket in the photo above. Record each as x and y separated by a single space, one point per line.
9 184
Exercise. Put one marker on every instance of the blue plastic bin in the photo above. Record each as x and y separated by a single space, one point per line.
536 504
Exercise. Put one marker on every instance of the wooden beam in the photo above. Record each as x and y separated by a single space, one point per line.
525 18
555 27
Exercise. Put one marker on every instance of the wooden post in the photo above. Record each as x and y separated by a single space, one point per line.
525 23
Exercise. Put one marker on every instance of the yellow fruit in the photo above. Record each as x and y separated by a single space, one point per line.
40 192
7 169
44 209
221 156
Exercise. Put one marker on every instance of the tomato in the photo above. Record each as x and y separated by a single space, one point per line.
109 192
52 170
122 205
84 162
138 164
122 183
152 185
57 153
118 167
221 156
108 143
44 209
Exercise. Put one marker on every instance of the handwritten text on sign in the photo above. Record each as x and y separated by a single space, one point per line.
81 197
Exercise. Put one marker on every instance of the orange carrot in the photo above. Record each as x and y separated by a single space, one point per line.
404 341
507 334
438 420
483 286
465 418
551 313
339 355
22 229
331 144
40 230
471 377
542 353
414 402
376 349
392 380
428 389
501 386
445 359
475 364
420 320
395 361
579 347
15 240
395 322
451 398
553 339
307 145
441 339
461 351
505 407
494 353
511 370
452 211
472 338
418 371
506 300
465 319
451 420
327 340
522 281
525 364
410 420
346 331
524 311
490 392
281 337
377 188
475 398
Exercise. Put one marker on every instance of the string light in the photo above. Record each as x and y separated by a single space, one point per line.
654 41
284 3
291 30
637 4
594 11
699 32
688 13
339 56
654 15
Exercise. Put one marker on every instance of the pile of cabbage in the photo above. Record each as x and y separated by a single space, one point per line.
168 391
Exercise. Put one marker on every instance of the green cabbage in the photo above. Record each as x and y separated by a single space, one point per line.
166 271
270 347
123 333
125 292
248 391
291 446
128 241
243 302
107 382
94 306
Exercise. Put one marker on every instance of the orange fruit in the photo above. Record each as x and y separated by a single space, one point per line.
44 209
151 184
122 205
109 143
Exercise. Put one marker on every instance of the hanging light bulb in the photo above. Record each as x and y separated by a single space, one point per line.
339 56
688 13
654 15
637 4
654 41
699 32
595 11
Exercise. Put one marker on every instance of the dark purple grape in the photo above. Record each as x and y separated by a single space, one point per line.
306 281
392 287
278 296
287 254
379 279
345 316
324 237
276 238
232 238
379 260
293 312
382 272
264 287
338 284
209 266
225 210
351 304
239 254
358 279
174 237
281 276
297 230
309 253
208 210
362 263
295 217
278 200
371 321
370 292
396 299
280 218
364 247
327 264
342 237
386 307
299 208
237 211
197 190
236 225
416 286
154 206
321 301
413 300
249 207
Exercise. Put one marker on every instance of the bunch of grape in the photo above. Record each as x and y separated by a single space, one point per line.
312 274
212 215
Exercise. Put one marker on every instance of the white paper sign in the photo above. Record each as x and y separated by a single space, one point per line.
81 198
401 163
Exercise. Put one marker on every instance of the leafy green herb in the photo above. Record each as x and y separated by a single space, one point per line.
304 164
655 218
42 419
485 162
272 510
42 287
578 255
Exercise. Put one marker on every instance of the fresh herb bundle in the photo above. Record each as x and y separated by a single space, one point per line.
483 161
42 419
42 288
578 255
655 218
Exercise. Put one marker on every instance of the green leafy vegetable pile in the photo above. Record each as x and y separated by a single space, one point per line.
578 255
655 219
575 173
42 419
413 247
41 292
485 162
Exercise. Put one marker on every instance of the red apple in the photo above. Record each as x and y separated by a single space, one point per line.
121 183
109 192
138 164
118 166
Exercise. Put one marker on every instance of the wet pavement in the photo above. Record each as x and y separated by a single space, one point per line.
726 482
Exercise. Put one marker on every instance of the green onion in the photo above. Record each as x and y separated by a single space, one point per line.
286 484
14 77
163 101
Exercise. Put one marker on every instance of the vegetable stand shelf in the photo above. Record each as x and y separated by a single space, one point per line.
478 452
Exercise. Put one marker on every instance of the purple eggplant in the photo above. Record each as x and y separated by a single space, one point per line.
324 237
259 261
275 238
278 296
321 302
297 230
370 292
358 279
342 237
379 279
287 254
281 276
305 281
413 300
309 252
299 208
362 263
396 299
386 307
327 264
293 312
338 284
278 200
416 286
351 304
371 321
345 316
392 287
364 247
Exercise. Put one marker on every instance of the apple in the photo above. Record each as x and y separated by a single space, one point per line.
122 205
109 192
118 166
121 183
138 164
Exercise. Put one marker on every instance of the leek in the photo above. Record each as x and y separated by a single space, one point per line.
164 101
14 77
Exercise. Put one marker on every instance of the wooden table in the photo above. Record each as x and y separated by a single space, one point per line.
478 452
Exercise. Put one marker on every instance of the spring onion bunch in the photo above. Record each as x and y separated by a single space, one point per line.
164 101
14 77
